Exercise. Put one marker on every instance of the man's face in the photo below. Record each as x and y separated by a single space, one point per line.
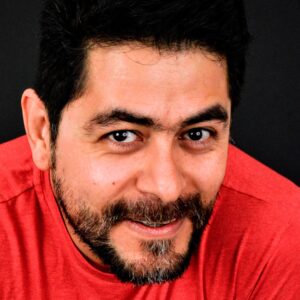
140 157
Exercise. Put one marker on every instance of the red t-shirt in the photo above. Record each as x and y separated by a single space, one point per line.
249 250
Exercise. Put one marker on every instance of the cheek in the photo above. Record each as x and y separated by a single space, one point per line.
108 172
93 175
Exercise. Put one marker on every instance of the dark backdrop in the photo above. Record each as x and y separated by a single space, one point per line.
266 125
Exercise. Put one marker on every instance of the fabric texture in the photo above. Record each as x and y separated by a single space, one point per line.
249 250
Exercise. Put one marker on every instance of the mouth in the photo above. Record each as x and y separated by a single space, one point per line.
158 230
155 224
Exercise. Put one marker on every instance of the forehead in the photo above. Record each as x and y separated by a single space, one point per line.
146 81
129 62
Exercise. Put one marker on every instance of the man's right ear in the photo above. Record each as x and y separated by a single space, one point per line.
37 126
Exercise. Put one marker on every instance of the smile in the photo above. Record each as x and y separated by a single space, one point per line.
155 224
157 230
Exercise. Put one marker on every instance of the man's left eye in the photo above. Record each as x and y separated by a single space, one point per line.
197 134
122 136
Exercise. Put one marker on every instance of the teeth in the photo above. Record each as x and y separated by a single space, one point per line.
151 225
156 224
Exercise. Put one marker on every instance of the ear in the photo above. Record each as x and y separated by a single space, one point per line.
37 126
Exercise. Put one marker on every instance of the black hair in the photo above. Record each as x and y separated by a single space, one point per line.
70 27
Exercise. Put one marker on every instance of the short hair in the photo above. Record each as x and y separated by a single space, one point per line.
69 27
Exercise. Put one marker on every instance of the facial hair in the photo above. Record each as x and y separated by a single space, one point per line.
161 262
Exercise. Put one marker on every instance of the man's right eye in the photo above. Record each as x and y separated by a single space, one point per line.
122 136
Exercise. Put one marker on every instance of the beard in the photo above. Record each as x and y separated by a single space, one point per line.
160 262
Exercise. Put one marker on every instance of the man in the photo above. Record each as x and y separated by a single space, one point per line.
125 186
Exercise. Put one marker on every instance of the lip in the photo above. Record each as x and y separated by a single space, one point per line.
167 231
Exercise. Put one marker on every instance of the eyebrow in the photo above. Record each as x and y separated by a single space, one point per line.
119 115
215 112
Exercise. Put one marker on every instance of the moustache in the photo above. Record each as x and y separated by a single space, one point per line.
156 211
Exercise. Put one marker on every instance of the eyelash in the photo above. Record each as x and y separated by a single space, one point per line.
132 144
123 145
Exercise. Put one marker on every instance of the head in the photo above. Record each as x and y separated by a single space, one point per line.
131 114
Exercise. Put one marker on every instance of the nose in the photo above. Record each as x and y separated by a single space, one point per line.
161 175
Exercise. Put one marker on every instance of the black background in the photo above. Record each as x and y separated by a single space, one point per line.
267 123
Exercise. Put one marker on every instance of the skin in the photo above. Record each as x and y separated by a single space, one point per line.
158 161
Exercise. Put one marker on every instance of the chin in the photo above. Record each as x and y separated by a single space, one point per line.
150 261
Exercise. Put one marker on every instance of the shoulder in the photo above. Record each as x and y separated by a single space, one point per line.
248 176
258 197
16 168
254 228
255 198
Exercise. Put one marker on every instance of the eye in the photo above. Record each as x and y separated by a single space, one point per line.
123 136
197 134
